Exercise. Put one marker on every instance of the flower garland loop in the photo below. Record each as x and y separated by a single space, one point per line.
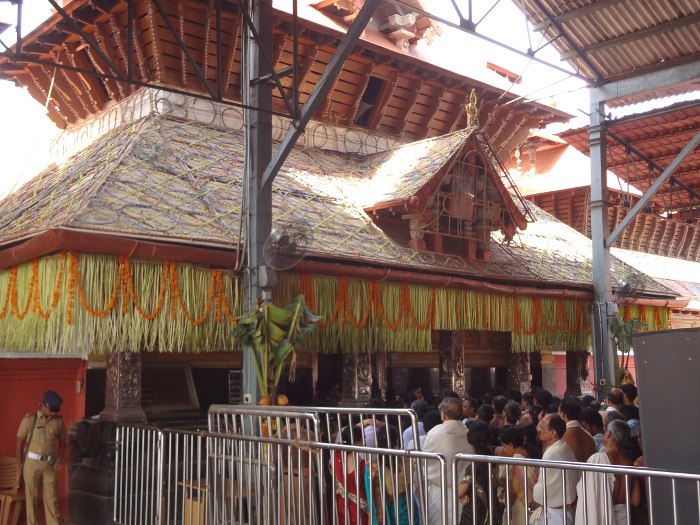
406 316
123 290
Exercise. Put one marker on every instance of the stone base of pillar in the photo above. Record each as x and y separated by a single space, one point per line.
123 415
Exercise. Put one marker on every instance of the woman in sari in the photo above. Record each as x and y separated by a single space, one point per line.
347 470
520 488
386 483
476 490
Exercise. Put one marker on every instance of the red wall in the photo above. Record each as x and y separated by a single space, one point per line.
23 382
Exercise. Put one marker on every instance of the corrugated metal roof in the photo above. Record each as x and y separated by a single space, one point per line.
608 40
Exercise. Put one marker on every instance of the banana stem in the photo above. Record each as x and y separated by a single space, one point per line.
265 354
258 371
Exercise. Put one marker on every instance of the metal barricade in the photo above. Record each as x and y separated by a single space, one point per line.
137 484
594 483
285 476
326 421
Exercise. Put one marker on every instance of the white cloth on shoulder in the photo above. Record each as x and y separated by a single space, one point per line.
594 497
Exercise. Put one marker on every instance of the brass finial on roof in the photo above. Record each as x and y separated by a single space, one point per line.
473 110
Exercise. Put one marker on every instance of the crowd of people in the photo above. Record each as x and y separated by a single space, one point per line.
532 425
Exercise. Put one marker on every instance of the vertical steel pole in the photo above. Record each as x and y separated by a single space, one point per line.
257 200
603 356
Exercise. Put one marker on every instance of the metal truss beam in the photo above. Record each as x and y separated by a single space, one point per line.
673 180
321 88
666 175
681 74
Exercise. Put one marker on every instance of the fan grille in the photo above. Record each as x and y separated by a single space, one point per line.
287 245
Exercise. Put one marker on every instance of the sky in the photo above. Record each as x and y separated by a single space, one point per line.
25 131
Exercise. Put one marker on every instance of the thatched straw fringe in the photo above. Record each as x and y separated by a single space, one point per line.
86 303
362 316
96 303
655 318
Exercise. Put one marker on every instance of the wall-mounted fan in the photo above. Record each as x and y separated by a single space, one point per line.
287 245
631 285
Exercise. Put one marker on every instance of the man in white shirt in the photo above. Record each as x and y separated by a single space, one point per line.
559 507
448 439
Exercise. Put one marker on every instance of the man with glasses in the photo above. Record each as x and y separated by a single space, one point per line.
42 437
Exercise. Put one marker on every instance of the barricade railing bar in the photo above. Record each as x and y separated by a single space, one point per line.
595 480
324 422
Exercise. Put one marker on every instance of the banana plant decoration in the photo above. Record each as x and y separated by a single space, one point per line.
273 333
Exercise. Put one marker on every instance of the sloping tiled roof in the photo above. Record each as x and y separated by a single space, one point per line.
557 252
172 180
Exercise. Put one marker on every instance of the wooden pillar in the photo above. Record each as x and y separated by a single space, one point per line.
380 374
357 379
519 376
576 372
123 388
451 354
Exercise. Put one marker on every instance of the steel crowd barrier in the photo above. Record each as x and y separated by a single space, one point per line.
593 482
282 465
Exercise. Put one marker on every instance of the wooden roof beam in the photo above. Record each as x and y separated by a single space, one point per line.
382 100
38 92
410 104
91 85
231 59
361 87
92 62
60 91
688 248
435 108
87 14
78 30
461 105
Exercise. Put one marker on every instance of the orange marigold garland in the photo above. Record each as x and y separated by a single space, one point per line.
380 307
129 278
56 292
7 299
363 322
112 299
30 293
72 271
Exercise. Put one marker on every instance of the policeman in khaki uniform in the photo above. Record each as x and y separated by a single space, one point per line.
37 436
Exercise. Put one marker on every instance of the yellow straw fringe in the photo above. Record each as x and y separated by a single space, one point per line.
86 303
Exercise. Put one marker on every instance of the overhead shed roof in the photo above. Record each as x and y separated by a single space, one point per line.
660 135
609 40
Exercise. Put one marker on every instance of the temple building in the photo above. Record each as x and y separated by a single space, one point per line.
419 253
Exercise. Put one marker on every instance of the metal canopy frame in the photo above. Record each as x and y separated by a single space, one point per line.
604 354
